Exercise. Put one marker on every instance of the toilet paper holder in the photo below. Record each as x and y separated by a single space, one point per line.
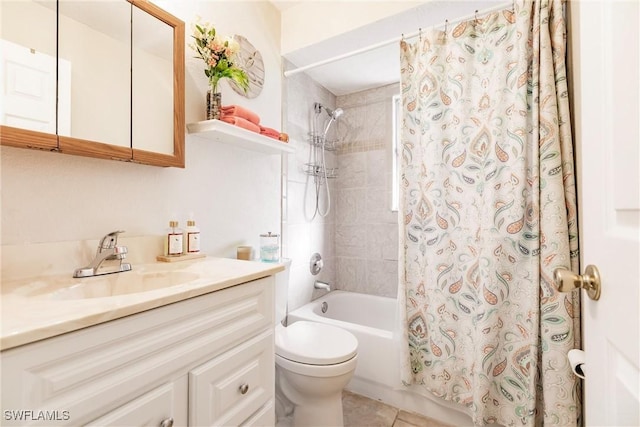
577 362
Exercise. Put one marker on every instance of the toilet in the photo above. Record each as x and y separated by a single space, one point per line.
314 362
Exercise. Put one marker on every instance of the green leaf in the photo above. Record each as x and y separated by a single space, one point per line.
554 320
223 64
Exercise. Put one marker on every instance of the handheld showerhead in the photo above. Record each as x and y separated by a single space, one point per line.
333 117
334 114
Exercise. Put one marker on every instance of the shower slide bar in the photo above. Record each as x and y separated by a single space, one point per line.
477 13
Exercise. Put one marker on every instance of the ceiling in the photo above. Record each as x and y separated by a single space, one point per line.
380 66
284 4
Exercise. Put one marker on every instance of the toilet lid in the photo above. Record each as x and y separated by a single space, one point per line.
315 343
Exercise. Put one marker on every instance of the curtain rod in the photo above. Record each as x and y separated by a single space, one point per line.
394 40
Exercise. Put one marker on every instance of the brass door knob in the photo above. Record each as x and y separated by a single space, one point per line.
566 281
244 388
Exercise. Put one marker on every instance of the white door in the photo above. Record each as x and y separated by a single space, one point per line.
606 61
29 88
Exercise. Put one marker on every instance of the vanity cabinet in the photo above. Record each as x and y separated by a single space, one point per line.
208 360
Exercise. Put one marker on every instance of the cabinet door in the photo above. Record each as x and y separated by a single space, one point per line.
95 39
157 120
152 84
28 74
169 401
230 388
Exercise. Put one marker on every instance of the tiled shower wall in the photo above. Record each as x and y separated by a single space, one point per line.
303 236
358 240
366 229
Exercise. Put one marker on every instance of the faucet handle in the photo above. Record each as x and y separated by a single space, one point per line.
109 241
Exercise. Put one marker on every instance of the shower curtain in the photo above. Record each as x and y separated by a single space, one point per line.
488 212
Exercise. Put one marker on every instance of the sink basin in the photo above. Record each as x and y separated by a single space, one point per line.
65 288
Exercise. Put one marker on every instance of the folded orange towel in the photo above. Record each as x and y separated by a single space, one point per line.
240 122
270 132
238 111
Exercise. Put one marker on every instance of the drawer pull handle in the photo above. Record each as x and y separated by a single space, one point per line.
244 388
167 423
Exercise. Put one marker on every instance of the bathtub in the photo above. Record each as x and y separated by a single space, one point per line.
371 319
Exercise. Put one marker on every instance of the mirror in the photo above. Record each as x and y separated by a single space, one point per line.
120 80
94 55
157 86
28 74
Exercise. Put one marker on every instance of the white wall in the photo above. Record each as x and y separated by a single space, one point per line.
15 14
259 22
234 194
311 22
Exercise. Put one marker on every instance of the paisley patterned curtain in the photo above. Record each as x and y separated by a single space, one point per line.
488 212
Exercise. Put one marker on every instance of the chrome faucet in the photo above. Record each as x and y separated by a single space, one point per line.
322 285
108 258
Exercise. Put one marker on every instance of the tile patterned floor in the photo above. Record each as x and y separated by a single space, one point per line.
360 411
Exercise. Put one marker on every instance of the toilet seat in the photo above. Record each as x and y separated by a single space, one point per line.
313 343
318 371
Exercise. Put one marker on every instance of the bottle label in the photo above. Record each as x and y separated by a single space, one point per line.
175 244
193 242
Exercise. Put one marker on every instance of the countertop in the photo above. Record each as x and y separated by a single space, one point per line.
43 307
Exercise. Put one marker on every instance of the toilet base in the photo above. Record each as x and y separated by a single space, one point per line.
316 401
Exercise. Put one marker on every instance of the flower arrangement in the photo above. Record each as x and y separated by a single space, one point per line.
218 54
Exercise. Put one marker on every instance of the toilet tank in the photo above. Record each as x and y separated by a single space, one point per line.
282 290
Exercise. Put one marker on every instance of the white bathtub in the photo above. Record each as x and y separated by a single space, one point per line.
371 319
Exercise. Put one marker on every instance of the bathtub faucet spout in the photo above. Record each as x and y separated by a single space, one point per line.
321 285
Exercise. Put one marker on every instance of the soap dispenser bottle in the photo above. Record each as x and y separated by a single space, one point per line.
173 240
192 238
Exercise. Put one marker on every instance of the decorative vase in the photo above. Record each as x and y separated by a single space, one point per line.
214 104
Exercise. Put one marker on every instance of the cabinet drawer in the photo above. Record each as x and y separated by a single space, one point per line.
169 401
265 416
225 390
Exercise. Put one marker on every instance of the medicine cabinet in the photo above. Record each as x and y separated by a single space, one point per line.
96 79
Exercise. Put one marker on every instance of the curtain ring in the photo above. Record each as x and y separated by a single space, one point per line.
420 33
446 26
476 17
402 39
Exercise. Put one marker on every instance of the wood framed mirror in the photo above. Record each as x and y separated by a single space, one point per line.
101 104
154 81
